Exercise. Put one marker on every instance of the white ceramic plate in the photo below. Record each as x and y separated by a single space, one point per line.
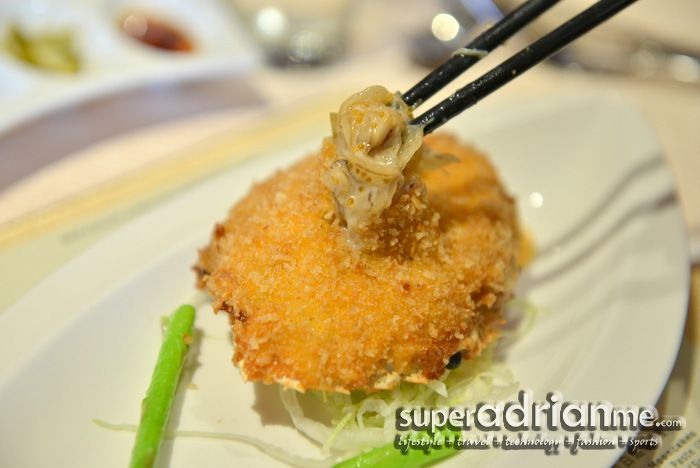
613 278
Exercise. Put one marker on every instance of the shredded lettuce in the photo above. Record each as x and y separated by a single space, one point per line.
359 421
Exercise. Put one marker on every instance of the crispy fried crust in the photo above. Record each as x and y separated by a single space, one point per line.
311 312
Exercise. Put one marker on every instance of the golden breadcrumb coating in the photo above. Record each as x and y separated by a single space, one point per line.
312 312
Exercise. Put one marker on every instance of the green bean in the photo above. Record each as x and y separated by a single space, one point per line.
155 407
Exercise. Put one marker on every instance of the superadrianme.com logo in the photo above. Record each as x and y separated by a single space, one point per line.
552 425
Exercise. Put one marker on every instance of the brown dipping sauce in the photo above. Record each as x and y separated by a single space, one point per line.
156 33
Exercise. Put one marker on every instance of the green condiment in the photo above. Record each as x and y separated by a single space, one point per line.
53 51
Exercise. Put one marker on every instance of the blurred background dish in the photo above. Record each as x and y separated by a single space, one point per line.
103 57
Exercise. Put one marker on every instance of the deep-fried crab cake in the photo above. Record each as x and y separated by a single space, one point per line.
316 305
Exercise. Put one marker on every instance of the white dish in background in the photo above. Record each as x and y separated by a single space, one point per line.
110 60
82 344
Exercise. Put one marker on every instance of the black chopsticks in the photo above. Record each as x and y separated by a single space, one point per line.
486 42
517 64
